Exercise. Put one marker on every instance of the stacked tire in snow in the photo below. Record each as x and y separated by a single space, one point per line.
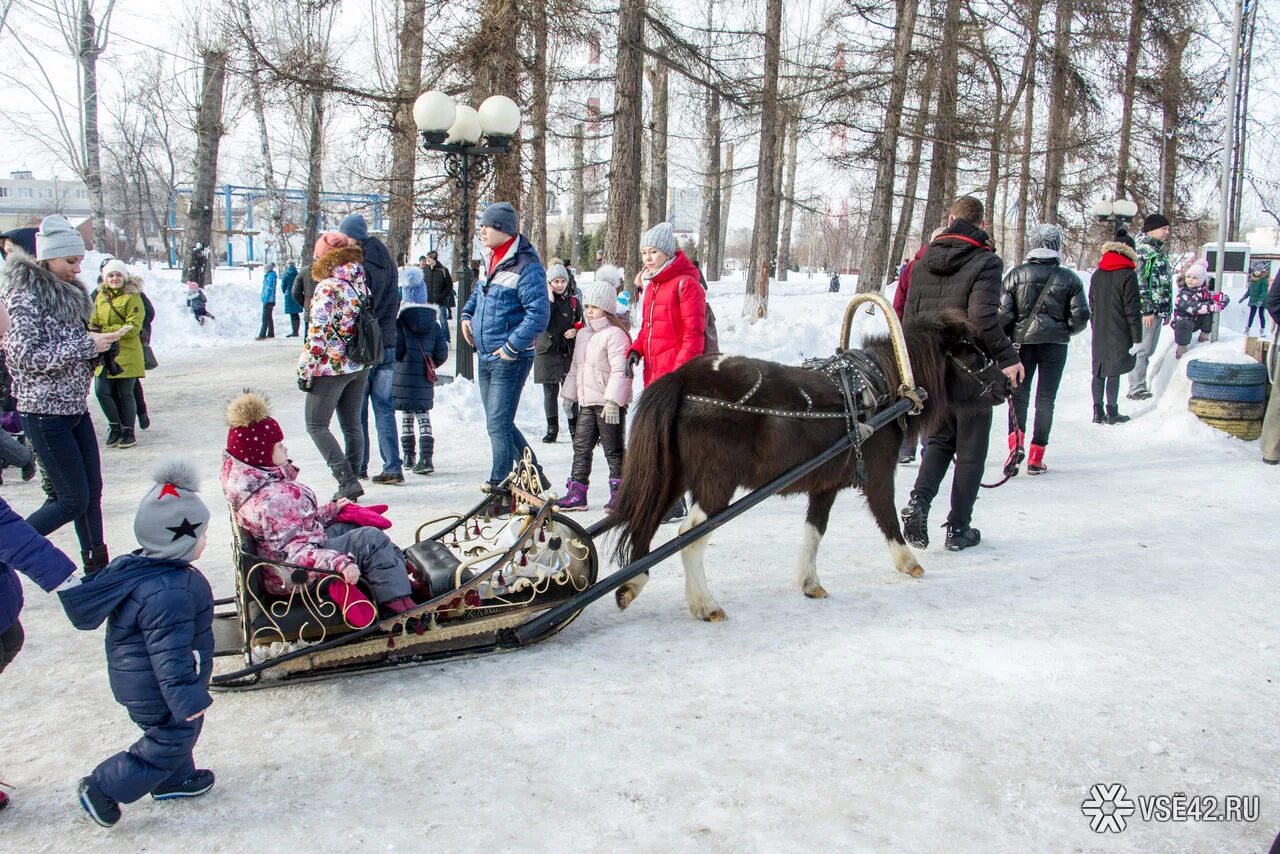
1229 397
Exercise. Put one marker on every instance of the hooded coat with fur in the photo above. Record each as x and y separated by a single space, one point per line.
113 308
1116 313
331 324
48 349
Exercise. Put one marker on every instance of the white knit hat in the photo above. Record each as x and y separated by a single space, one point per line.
601 295
611 274
115 265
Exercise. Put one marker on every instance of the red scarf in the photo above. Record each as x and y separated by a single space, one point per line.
1115 261
499 255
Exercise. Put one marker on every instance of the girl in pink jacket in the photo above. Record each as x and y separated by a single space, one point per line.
598 383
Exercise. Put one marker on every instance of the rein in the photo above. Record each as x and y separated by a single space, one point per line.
1015 456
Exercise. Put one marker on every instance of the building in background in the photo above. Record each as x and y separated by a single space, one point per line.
25 199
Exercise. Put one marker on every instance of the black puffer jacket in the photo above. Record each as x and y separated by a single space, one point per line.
1064 312
554 352
961 270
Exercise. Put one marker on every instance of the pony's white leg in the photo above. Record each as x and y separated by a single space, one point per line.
904 559
696 592
807 565
627 593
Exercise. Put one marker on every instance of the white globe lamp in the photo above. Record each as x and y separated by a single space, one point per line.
499 117
434 114
466 128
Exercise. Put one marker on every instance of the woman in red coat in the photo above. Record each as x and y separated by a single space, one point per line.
673 316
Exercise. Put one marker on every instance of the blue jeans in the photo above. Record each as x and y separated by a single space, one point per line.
68 448
381 379
500 384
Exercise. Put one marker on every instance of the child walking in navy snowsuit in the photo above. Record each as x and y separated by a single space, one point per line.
420 336
198 303
159 614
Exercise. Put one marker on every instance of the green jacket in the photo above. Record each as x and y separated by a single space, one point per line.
1255 292
1155 279
113 309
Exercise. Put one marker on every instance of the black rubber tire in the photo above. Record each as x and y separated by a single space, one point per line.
1231 393
1229 410
1222 373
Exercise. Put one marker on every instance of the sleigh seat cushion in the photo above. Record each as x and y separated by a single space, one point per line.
434 563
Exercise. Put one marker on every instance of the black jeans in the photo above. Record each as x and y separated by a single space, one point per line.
964 435
11 640
268 329
1110 386
1050 360
117 399
68 449
592 429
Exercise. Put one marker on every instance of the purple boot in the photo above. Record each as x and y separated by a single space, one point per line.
614 483
575 496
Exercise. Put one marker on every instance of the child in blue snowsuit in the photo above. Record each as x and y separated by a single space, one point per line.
159 614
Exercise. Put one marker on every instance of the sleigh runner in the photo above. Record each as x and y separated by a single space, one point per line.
487 585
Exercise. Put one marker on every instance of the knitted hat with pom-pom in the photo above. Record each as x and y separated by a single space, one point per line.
171 518
253 433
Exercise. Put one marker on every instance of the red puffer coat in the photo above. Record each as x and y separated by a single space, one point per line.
673 319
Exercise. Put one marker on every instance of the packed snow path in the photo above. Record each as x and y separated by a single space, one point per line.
1119 623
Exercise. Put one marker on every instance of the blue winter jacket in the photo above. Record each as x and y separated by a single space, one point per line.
269 288
159 616
419 333
510 308
25 551
286 285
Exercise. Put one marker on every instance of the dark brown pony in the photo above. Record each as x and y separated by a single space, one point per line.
677 445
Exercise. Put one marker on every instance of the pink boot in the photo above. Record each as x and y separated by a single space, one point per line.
614 483
575 497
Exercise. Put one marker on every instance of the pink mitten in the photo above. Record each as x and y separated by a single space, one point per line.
357 610
366 517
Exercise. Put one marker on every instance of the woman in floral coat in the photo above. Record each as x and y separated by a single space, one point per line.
333 381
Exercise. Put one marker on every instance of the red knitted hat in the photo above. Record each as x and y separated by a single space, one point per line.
254 433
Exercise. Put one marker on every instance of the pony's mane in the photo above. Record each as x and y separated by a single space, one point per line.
924 334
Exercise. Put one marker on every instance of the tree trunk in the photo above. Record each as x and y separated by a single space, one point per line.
918 128
208 135
1242 124
315 175
1128 85
942 165
404 132
876 262
540 87
88 56
1170 99
497 72
658 82
579 196
789 198
709 227
1024 166
765 228
1060 104
622 237
726 203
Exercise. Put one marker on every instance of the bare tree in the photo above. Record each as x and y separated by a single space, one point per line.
1060 104
942 168
209 132
404 133
765 229
919 125
622 237
657 74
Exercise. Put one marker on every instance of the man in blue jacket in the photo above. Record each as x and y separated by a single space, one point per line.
502 320
159 614
383 280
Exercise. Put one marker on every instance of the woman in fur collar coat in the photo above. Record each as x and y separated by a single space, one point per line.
116 304
1116 317
51 355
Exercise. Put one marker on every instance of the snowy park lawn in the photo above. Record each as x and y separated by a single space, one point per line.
1118 624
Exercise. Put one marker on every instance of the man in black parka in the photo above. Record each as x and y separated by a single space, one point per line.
961 270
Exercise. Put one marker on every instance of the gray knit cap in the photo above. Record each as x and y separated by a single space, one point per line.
611 274
57 239
503 217
557 271
660 237
171 517
1045 236
602 295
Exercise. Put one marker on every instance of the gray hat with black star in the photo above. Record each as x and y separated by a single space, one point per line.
171 517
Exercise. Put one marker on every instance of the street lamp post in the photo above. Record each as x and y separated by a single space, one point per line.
1116 213
456 130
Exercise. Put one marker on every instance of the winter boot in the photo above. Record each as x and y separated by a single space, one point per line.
113 435
1114 416
1016 439
200 781
915 522
553 430
575 496
408 448
959 539
4 801
1202 337
94 559
102 809
348 485
1099 417
127 438
424 465
1178 351
144 420
1035 461
614 483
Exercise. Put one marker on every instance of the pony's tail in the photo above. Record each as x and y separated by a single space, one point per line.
651 475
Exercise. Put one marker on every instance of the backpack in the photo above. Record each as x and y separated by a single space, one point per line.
711 336
365 346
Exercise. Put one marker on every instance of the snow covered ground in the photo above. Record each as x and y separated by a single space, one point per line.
1119 623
